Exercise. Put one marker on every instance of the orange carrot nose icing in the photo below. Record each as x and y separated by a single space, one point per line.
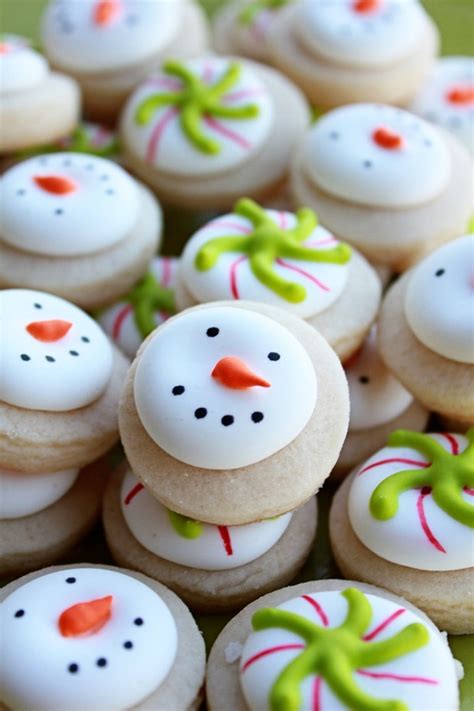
85 617
48 331
461 95
366 6
106 12
234 373
56 184
4 47
385 138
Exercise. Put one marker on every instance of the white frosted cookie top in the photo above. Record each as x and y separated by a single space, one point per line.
439 300
54 356
84 639
376 397
25 494
223 388
21 68
67 204
251 24
447 98
365 33
412 503
192 543
199 117
100 35
340 650
377 155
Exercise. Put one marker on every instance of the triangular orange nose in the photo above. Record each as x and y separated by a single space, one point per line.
385 138
48 331
461 95
85 617
107 11
365 7
55 184
234 373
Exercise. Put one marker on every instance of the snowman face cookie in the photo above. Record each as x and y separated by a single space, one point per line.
110 641
365 33
100 35
377 155
54 356
264 255
439 301
21 68
412 503
25 494
345 649
67 204
199 117
222 388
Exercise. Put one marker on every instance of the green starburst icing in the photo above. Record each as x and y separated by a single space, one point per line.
335 654
253 9
195 101
446 476
78 142
268 242
147 297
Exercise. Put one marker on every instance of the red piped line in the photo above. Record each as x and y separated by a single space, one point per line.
469 491
233 276
226 539
101 136
383 625
132 493
243 94
282 219
309 276
266 652
259 27
166 263
320 242
207 73
228 225
165 83
319 610
120 318
423 520
317 694
158 132
227 132
452 441
397 677
400 460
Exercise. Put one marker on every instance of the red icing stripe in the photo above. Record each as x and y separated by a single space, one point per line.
227 132
266 652
132 493
233 276
469 491
226 539
452 441
319 610
207 73
228 225
118 323
282 219
383 625
397 677
166 263
401 460
158 132
309 276
424 522
317 694
243 94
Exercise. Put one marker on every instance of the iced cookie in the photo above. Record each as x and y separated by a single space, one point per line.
204 132
385 180
110 46
91 138
144 308
60 384
405 519
332 645
37 106
379 405
286 260
234 412
426 335
114 640
345 51
76 225
447 98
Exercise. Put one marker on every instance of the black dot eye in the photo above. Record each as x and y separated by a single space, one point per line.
70 581
440 272
59 211
73 353
84 339
109 191
212 332
178 390
21 191
200 413
37 306
367 164
364 379
101 662
257 416
273 356
334 135
19 613
50 359
138 621
128 644
227 420
73 668
25 357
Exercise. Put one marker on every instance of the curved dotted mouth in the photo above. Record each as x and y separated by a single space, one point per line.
227 420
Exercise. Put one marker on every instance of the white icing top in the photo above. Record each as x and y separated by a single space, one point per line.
207 547
67 204
97 35
223 387
156 132
376 397
21 68
25 494
377 155
112 666
420 534
54 356
423 679
447 98
118 320
365 33
439 301
232 276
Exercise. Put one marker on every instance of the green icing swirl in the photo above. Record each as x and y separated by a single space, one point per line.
78 142
335 654
447 475
253 9
147 297
185 527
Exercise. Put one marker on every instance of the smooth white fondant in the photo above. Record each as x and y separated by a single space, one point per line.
65 374
25 494
21 68
99 211
341 156
439 300
217 548
404 539
36 658
232 277
432 661
182 354
162 142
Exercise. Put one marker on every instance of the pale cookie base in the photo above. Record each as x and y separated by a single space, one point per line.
257 177
327 84
442 385
39 116
31 542
397 238
231 37
446 597
279 483
212 591
41 441
181 689
93 280
223 679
